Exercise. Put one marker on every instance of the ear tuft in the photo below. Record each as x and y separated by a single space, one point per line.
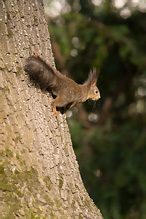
92 78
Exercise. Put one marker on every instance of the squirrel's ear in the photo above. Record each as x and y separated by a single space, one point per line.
94 75
92 78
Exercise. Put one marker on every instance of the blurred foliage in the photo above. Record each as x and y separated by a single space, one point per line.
111 156
112 165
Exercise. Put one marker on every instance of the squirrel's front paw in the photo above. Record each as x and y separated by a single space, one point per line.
37 54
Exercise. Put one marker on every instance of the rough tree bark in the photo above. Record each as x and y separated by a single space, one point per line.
40 176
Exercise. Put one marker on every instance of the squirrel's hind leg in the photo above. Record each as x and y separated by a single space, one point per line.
57 102
55 112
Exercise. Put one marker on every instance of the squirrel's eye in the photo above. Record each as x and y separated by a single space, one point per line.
96 91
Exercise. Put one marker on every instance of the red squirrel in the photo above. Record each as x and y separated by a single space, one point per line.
68 93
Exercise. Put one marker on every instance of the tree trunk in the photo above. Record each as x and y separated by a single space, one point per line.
40 176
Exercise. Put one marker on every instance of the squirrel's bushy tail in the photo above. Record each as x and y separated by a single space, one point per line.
40 72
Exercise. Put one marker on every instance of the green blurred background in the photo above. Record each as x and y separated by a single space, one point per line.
109 136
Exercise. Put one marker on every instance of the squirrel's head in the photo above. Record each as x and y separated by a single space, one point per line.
93 91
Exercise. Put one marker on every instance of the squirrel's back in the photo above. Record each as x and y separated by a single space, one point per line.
41 73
